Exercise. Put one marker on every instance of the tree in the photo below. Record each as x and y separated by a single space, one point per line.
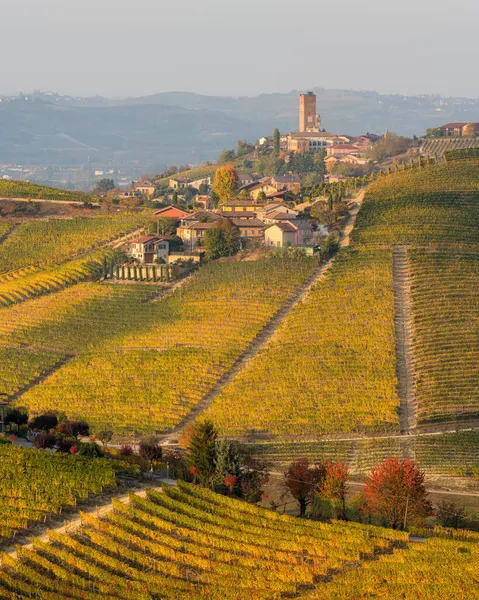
227 460
433 132
225 183
333 486
226 157
104 186
395 492
163 226
214 243
105 435
243 148
302 480
44 422
450 514
254 476
44 440
90 450
151 451
276 141
222 240
202 452
16 416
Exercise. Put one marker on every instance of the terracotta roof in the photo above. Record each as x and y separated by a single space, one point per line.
144 239
247 223
453 125
280 215
201 226
284 227
171 208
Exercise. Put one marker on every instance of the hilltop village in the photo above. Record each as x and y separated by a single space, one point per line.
286 191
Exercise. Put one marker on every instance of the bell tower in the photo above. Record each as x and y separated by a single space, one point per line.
309 120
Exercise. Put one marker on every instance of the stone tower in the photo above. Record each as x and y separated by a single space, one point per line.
309 120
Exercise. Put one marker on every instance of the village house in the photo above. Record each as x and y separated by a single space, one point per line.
204 202
147 249
289 233
256 188
245 179
250 228
290 183
193 235
342 149
460 130
145 188
179 183
241 206
199 216
197 183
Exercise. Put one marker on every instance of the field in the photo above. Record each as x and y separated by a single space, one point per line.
138 365
23 189
190 543
43 242
331 366
36 484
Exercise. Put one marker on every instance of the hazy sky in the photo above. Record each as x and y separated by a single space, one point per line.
232 47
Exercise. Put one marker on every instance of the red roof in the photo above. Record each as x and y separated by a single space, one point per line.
144 239
171 212
453 126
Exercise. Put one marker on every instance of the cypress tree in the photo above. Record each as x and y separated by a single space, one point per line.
202 452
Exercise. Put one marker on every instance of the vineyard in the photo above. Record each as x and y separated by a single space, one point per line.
24 189
330 368
188 542
441 569
55 240
449 454
36 484
139 365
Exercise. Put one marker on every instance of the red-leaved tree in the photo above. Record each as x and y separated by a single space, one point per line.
302 481
395 491
333 486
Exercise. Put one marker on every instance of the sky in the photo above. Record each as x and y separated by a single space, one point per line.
124 48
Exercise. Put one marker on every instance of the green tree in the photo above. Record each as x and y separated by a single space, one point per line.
222 240
228 460
202 452
226 156
243 148
276 141
214 243
226 183
104 186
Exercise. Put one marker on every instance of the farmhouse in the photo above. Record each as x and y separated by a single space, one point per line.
145 188
460 129
146 249
289 233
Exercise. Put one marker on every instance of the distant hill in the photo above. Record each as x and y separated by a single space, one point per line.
178 127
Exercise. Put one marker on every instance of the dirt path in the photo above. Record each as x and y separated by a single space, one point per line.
404 336
42 377
5 236
266 334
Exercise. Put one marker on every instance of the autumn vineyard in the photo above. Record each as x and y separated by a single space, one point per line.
199 398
